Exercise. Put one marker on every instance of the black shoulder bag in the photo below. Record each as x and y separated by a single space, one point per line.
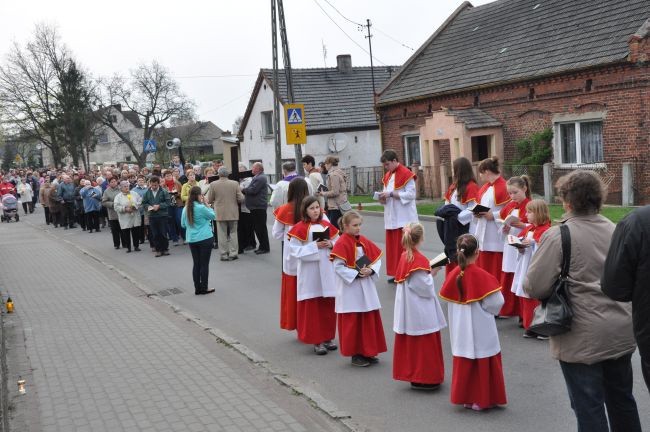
554 315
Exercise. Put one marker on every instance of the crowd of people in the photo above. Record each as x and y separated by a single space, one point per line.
502 254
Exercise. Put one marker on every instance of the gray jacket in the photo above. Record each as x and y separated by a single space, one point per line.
256 194
107 201
601 328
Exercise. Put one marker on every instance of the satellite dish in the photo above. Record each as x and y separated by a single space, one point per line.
337 142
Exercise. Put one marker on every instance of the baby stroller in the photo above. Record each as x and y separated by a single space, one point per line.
9 208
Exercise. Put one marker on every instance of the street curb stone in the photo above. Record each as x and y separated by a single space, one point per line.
314 398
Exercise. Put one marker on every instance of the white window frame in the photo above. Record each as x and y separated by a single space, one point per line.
266 133
557 126
407 155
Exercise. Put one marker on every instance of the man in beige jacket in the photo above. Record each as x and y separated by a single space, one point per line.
225 196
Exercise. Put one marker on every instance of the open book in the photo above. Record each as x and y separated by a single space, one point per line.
322 188
516 242
508 220
321 235
439 260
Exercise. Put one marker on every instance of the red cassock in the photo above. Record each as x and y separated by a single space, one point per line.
394 247
289 287
511 305
315 317
360 333
475 380
527 305
417 358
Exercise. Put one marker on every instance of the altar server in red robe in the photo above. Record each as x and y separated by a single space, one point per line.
316 319
494 195
512 220
398 198
474 298
357 262
418 317
539 219
286 216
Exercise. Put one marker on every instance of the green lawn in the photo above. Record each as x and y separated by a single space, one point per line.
613 213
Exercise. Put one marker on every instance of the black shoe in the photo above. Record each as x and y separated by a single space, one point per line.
261 252
418 386
320 349
233 258
330 345
372 360
360 361
391 280
248 248
208 291
224 258
116 247
128 250
137 249
165 252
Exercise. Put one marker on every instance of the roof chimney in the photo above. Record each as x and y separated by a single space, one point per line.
344 63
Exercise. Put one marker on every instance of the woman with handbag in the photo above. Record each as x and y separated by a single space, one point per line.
595 354
336 193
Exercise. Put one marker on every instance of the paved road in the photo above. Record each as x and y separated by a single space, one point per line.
98 355
246 307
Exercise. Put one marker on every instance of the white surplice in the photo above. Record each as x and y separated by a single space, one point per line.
355 294
279 232
417 309
523 262
465 216
315 271
487 232
473 329
510 253
400 211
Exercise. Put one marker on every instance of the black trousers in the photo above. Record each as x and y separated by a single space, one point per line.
48 218
92 220
245 233
645 368
143 232
115 232
158 228
67 214
258 219
127 234
201 252
334 216
55 218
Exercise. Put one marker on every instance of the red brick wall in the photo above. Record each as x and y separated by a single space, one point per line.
622 91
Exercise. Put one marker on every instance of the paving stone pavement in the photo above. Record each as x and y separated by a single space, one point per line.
103 357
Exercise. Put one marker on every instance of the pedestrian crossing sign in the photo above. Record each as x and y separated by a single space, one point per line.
150 146
295 126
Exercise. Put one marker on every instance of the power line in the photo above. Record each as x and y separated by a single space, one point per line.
348 36
363 25
227 103
215 76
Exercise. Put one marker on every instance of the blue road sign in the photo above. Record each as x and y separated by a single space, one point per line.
150 146
294 116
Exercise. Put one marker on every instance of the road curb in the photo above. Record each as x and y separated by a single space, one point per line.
314 398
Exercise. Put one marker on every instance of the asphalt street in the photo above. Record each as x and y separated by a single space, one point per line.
246 306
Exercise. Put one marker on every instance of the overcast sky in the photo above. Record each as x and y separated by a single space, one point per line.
216 48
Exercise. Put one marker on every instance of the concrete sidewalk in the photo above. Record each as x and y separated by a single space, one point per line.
101 356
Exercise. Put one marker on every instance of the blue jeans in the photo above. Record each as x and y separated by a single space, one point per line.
607 384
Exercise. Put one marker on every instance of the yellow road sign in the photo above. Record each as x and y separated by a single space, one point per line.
295 125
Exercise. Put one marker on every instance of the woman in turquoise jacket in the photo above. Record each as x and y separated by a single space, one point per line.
197 220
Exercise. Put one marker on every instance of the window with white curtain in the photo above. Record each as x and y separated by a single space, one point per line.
580 142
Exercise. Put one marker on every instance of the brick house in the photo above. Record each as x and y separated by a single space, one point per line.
497 73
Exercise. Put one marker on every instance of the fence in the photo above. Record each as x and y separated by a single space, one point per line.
627 182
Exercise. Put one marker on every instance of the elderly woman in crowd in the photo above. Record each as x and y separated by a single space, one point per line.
127 205
595 354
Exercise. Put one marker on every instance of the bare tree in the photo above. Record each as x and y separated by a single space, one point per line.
152 94
28 82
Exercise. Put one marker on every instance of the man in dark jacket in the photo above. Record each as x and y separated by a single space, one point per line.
627 274
155 202
65 193
256 201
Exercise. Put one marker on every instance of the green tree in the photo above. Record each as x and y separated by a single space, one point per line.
533 152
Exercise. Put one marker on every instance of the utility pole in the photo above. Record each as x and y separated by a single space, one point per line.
287 74
372 68
276 96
